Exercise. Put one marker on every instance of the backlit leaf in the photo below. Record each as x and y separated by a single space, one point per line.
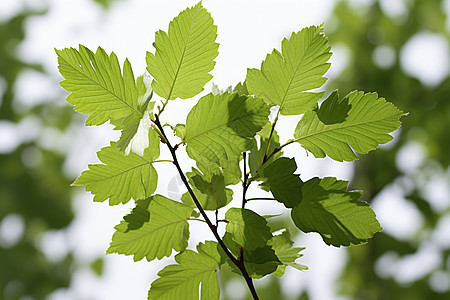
182 281
368 124
258 262
98 87
247 228
256 157
287 78
286 187
185 56
338 216
121 177
209 189
219 128
282 245
153 231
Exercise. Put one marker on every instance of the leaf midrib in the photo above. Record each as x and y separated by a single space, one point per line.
182 56
152 231
123 172
295 72
340 127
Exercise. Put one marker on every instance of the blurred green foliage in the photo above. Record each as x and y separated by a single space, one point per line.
36 193
39 193
362 30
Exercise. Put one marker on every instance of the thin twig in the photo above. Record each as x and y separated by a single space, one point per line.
238 263
245 183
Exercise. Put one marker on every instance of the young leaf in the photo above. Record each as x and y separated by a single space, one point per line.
241 89
184 57
97 85
247 228
181 281
282 245
286 187
369 122
258 262
130 124
165 229
338 216
285 78
122 177
209 190
261 262
266 147
219 128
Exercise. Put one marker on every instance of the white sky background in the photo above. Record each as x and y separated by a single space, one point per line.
247 31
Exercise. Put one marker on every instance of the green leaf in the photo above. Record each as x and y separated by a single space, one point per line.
261 261
182 281
153 236
338 216
282 245
332 110
219 128
247 228
241 89
122 177
180 131
369 122
286 187
98 87
256 156
285 78
258 262
184 57
138 216
209 190
130 124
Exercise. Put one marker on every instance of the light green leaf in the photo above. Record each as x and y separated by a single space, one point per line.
98 87
153 236
258 262
247 228
219 128
122 177
282 245
241 89
130 124
286 187
230 170
338 216
180 131
368 124
184 57
181 281
287 78
256 156
209 189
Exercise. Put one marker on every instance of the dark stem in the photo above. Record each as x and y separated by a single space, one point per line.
270 137
238 263
245 183
217 218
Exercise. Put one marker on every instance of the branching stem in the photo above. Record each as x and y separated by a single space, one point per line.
238 263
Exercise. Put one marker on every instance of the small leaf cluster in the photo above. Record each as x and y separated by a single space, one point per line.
232 140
